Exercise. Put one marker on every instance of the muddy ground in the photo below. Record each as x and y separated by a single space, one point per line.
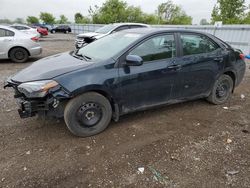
193 144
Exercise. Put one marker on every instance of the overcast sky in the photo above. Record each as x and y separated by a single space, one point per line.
12 9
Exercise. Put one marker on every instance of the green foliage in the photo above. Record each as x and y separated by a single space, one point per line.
47 18
111 11
229 11
5 21
118 11
32 19
215 16
63 19
247 18
169 13
80 19
134 14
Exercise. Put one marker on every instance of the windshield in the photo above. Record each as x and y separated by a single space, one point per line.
109 46
105 29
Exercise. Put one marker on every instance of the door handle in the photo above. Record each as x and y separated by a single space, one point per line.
174 67
219 59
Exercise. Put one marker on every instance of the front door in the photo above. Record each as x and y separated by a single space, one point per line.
151 83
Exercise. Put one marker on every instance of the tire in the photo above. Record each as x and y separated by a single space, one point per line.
88 114
53 31
222 90
66 32
19 55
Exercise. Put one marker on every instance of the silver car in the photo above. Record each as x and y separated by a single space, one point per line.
86 38
26 29
17 46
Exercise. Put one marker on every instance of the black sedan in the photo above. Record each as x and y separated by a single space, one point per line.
61 29
125 72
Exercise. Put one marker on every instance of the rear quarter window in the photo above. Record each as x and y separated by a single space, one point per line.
197 44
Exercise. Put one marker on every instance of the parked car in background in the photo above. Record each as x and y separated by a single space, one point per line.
17 46
86 38
26 29
45 26
42 31
61 29
125 72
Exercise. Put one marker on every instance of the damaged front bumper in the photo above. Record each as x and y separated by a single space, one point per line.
52 104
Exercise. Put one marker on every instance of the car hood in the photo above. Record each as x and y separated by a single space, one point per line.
50 67
91 34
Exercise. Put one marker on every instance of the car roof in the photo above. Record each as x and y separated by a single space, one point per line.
20 25
148 31
13 30
128 23
8 28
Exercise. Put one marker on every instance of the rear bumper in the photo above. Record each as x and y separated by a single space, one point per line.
241 69
35 51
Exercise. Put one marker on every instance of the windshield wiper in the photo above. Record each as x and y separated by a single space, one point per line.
80 56
77 56
84 56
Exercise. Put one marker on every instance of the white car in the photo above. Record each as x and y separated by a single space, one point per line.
17 46
86 38
26 29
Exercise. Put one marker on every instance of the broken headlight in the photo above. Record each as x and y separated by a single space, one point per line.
36 89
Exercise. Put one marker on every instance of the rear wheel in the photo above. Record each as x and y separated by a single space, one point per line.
222 90
87 114
19 55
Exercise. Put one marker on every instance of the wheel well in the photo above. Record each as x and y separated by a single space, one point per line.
114 105
105 94
18 47
232 75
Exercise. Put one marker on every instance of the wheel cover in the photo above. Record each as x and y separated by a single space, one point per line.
19 55
222 90
89 114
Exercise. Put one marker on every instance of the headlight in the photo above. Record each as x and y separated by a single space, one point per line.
36 89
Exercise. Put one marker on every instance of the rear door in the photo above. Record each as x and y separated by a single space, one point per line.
201 61
151 83
6 39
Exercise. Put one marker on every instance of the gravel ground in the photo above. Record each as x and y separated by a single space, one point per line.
193 144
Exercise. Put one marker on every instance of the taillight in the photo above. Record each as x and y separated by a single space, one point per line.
242 56
35 39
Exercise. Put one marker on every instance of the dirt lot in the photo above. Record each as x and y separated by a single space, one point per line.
193 144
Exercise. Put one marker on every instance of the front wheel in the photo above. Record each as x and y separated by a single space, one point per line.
221 90
88 114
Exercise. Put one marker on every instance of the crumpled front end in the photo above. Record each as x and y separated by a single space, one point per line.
52 104
82 41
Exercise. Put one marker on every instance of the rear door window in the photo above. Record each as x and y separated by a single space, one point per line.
6 33
197 44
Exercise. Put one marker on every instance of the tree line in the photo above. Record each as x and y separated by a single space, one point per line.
111 11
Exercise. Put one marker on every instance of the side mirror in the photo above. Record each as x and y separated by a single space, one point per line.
134 60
